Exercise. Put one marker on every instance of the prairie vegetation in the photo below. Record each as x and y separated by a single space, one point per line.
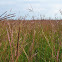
31 41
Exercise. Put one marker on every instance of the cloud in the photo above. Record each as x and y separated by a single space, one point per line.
6 3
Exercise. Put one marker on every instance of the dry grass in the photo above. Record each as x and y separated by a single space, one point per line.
31 41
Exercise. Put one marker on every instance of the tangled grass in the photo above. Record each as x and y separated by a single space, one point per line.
31 41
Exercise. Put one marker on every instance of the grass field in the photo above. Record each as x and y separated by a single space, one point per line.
31 41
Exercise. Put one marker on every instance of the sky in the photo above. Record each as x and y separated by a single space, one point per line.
28 8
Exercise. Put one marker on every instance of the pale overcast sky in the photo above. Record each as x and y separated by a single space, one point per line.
49 8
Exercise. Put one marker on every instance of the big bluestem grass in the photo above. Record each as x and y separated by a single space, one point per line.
31 41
